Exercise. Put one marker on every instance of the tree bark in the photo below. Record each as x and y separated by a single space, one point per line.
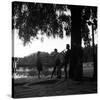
76 70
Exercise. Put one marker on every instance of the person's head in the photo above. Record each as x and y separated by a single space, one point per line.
55 50
67 46
38 53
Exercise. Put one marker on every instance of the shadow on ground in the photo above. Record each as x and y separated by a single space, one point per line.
53 87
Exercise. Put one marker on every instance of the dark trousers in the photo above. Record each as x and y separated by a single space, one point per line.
58 69
53 71
65 69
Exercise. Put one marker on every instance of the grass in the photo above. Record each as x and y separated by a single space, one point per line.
34 87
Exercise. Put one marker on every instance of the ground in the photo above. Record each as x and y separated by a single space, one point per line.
34 87
54 87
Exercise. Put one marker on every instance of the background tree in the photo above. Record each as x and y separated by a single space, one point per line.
89 16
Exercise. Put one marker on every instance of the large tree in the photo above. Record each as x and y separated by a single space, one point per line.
81 17
75 71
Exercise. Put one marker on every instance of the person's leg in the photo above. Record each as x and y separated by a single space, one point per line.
65 70
53 71
58 73
39 74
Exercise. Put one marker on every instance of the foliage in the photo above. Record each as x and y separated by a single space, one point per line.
89 16
30 18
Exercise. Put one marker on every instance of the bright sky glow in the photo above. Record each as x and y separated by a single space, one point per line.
48 45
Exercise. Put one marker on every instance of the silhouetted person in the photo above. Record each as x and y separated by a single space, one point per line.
39 64
67 59
56 63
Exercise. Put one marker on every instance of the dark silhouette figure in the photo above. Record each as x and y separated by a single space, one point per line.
67 59
56 64
39 64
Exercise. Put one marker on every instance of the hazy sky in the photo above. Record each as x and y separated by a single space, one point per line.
48 45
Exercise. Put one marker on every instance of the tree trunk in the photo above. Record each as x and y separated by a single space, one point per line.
75 71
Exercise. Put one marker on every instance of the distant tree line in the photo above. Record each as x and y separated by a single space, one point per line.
30 61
